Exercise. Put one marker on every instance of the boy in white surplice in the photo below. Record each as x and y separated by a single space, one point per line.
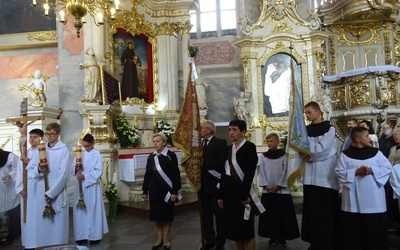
90 223
363 171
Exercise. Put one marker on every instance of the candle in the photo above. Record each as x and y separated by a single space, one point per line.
154 122
62 16
34 2
100 19
112 13
78 152
42 155
135 121
46 9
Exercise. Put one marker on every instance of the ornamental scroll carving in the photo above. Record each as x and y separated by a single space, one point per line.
214 53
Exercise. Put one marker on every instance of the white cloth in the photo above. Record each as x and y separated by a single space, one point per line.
9 198
29 233
395 181
320 169
363 194
90 223
278 90
273 172
44 231
374 140
360 71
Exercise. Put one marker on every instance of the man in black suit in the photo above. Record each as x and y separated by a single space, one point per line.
214 158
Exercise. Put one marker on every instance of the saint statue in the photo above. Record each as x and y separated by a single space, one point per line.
201 89
326 104
242 108
92 80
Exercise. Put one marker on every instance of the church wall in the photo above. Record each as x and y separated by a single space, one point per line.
16 66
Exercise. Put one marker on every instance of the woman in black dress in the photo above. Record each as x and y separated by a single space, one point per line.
161 185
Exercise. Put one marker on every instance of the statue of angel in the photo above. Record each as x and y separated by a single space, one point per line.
36 89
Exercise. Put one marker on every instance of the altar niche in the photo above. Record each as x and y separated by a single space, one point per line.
276 77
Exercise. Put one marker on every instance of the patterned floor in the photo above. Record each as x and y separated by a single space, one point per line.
132 230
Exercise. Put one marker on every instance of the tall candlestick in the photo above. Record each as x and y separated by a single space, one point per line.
48 212
154 122
78 169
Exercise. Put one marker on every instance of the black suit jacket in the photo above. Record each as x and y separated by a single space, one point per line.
153 184
214 158
247 159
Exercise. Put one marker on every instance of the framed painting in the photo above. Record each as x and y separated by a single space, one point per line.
276 83
133 65
22 25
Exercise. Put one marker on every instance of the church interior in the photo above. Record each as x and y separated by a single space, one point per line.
70 69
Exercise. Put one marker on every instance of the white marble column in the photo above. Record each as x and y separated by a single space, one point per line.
94 37
167 72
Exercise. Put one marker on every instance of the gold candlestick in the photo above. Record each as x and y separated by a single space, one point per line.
78 169
48 212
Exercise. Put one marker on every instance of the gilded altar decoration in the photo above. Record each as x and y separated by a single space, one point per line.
358 34
49 211
340 95
360 94
43 36
35 91
78 169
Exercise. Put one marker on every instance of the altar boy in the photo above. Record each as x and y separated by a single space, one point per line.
363 171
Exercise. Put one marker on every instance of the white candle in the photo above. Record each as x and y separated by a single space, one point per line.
62 16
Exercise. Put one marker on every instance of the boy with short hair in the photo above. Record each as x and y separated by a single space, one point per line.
321 205
55 231
90 223
363 171
29 236
278 222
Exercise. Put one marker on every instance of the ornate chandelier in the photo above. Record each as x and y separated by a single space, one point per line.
101 10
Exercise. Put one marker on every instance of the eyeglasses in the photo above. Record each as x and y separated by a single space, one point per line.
50 134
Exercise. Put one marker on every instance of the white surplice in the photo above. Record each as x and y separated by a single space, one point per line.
41 231
90 223
33 218
365 194
8 196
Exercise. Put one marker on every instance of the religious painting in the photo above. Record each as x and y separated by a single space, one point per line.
276 84
133 65
20 17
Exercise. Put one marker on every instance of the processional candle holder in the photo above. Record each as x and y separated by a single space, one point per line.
48 212
78 169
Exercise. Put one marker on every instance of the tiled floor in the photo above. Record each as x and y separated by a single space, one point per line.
134 231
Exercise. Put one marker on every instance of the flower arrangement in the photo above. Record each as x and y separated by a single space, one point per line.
193 50
166 129
127 135
110 188
110 191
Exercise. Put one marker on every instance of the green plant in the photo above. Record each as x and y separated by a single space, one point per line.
166 129
127 135
193 50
